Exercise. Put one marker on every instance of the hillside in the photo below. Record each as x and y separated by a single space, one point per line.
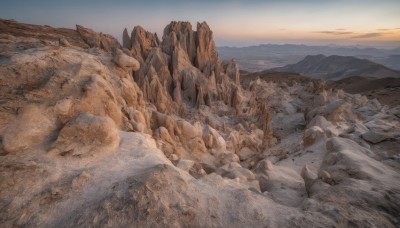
386 90
338 67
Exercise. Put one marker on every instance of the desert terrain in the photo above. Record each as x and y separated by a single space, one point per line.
161 133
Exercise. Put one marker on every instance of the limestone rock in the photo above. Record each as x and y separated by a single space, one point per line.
246 153
375 137
125 61
232 70
160 119
243 175
309 178
63 107
312 135
164 135
32 127
98 40
180 33
126 178
86 135
126 40
142 42
213 139
237 99
320 99
206 53
285 185
185 164
63 42
228 157
267 126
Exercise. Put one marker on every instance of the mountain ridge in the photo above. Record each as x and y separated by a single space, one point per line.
336 67
267 56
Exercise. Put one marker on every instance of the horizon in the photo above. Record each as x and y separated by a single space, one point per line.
365 23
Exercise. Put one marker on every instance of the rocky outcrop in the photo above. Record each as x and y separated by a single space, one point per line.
86 135
142 43
180 33
232 70
206 53
125 61
98 40
86 142
126 40
186 65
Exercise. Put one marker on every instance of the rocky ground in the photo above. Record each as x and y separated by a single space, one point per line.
157 133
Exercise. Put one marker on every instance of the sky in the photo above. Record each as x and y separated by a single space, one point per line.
234 23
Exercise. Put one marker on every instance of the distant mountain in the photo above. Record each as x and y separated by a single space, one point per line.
338 67
391 61
267 56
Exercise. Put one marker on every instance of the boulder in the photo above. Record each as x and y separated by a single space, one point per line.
86 135
309 178
242 175
284 184
312 135
246 153
63 42
375 137
185 164
320 99
63 107
125 61
212 139
228 157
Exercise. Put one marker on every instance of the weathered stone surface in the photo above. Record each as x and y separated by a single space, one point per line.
375 137
86 135
232 70
142 43
126 40
180 33
98 40
32 127
206 53
312 135
180 167
124 61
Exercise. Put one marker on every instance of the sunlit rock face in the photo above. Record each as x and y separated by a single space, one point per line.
161 133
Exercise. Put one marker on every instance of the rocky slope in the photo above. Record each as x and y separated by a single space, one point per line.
386 90
160 133
338 67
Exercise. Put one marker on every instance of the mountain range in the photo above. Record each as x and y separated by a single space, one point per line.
336 67
267 56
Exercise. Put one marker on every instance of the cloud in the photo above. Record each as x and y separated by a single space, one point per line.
340 29
334 32
388 29
369 35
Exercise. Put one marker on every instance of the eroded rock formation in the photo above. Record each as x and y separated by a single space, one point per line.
162 134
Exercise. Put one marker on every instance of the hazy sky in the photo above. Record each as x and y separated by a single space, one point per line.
234 22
